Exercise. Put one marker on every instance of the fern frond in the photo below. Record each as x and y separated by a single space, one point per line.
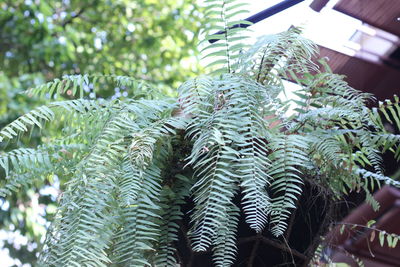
224 28
33 118
215 187
139 225
369 148
391 111
195 96
171 200
140 191
327 147
23 158
78 85
213 191
330 84
279 55
289 156
378 177
85 228
253 168
24 166
224 244
388 142
254 163
46 113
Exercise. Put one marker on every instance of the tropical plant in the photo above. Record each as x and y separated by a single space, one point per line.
153 41
132 164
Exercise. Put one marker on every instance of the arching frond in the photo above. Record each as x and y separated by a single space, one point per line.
139 221
171 199
46 113
388 142
282 54
225 33
386 180
289 156
80 85
224 245
33 118
24 166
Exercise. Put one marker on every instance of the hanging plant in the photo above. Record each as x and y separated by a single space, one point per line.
226 146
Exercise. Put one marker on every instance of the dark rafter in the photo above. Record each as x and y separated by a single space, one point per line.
266 13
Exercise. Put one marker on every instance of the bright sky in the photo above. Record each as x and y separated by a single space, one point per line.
328 28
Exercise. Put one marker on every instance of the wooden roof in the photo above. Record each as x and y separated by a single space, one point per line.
383 14
381 80
357 239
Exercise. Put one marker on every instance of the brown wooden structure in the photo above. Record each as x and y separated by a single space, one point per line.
381 77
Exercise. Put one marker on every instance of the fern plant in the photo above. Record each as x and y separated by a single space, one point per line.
132 163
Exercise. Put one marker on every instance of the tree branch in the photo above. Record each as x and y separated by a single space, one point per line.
259 238
254 251
77 15
283 247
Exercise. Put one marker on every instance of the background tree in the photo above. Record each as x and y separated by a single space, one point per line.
145 39
42 40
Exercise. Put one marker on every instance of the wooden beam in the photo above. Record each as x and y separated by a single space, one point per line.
317 5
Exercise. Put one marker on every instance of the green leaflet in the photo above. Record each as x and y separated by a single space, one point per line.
221 16
78 83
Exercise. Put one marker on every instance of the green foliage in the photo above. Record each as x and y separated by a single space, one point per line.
151 41
222 17
228 131
77 85
289 153
144 39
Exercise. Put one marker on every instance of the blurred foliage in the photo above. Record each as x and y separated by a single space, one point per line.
45 39
148 39
17 213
